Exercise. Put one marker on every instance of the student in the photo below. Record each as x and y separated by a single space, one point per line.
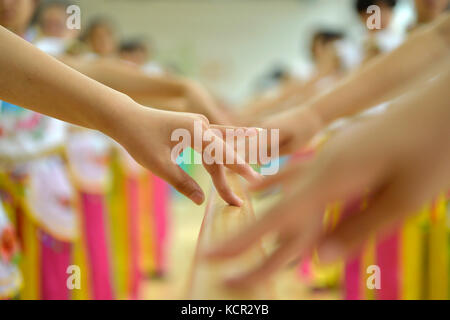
51 19
328 69
52 34
383 154
101 38
138 53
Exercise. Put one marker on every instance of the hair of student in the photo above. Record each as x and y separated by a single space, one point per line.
362 5
326 36
132 45
278 73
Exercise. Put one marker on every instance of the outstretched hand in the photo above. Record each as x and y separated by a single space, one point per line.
146 134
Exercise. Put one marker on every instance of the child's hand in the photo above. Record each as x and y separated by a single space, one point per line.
146 134
400 158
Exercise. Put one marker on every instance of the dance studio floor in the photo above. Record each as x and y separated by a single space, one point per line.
186 220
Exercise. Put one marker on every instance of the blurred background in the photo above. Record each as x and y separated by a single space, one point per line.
229 45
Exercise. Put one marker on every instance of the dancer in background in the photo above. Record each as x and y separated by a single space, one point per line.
328 70
100 38
34 174
140 54
151 193
52 35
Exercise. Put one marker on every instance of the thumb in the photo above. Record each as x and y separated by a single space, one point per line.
183 183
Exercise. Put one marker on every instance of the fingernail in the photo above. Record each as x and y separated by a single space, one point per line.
329 252
238 201
197 197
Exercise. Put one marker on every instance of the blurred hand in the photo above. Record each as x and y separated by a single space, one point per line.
401 158
297 127
146 134
202 102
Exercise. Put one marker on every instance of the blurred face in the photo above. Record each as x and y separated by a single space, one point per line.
53 22
325 53
428 10
386 13
103 41
15 15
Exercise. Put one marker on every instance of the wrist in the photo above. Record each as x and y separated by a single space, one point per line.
118 116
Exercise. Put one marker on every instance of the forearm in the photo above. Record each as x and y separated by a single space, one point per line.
428 110
147 89
118 75
385 76
267 105
34 80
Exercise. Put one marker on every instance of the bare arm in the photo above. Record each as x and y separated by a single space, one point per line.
65 94
34 80
386 76
166 91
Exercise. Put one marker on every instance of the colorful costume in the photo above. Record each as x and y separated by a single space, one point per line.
10 276
88 158
33 174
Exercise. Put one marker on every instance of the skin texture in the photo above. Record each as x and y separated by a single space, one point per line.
146 89
55 89
400 157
